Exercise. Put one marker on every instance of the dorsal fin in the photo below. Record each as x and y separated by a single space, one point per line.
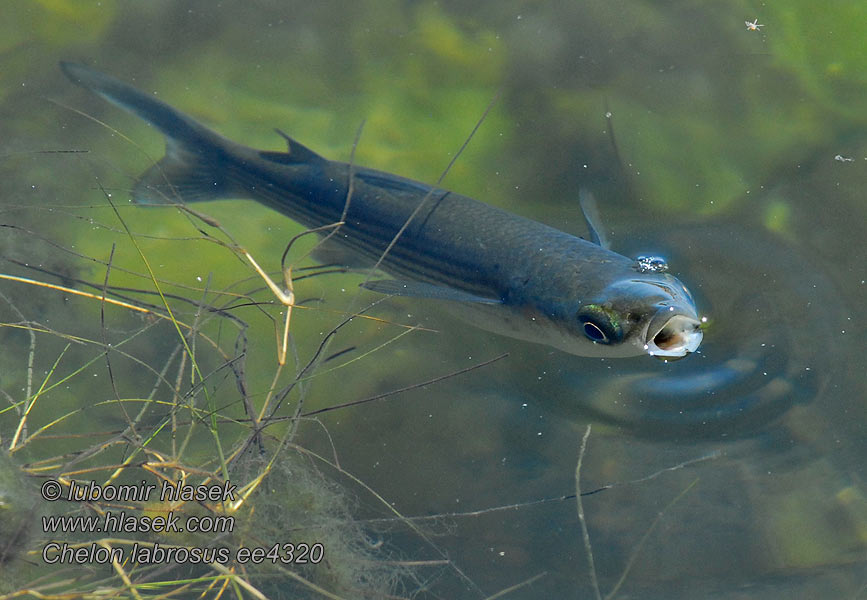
296 152
591 215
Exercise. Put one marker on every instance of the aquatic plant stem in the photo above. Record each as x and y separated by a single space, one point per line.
584 533
196 372
517 586
643 539
68 290
23 420
430 193
118 568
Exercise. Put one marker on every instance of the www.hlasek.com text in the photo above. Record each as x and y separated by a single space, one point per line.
122 521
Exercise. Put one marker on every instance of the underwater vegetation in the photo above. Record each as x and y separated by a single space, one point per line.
117 408
17 517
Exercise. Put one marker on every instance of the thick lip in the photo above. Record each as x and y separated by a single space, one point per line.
672 334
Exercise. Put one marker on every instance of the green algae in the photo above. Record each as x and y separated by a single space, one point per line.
778 217
823 49
797 529
65 22
17 514
700 130
46 28
296 504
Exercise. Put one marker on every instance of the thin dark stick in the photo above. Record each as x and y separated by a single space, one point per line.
407 388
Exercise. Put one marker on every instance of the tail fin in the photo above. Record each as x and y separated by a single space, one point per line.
193 167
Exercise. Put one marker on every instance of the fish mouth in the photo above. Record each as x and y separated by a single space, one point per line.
672 335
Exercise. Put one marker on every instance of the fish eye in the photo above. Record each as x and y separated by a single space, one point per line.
600 324
592 331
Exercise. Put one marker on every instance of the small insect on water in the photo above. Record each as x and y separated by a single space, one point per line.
754 26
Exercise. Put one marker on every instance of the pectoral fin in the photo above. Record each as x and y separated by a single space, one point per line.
418 289
332 252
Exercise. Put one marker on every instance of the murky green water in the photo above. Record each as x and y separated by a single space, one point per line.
739 155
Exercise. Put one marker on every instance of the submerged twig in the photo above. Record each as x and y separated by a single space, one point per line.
637 549
517 586
584 533
105 343
433 188
407 388
31 354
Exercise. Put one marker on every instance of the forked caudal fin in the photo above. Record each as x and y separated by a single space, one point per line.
197 162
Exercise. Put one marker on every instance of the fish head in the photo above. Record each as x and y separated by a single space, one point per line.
645 314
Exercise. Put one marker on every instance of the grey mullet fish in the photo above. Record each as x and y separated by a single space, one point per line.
505 273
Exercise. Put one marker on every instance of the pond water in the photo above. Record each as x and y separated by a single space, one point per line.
739 155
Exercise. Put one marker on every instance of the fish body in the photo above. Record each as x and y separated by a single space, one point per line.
506 273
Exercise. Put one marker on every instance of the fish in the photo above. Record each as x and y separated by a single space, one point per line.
500 271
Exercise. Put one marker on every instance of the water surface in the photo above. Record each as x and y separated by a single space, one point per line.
722 160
